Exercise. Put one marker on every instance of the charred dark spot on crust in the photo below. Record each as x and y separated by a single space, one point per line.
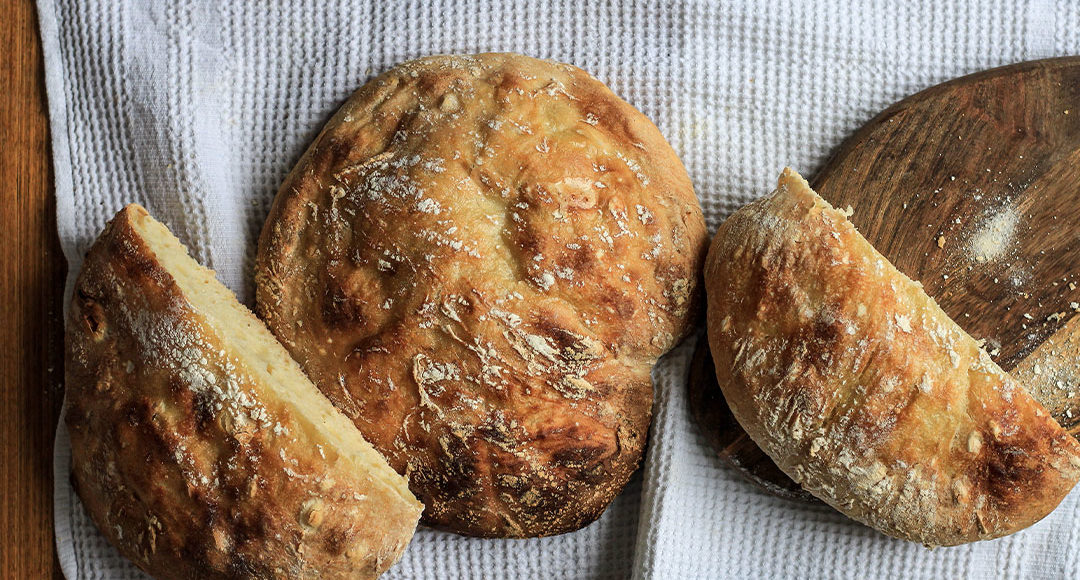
339 310
612 116
434 82
823 338
334 152
467 306
578 459
196 550
251 529
400 133
336 541
255 447
544 324
636 393
93 314
203 412
614 299
1010 470
669 272
240 566
76 417
363 348
133 414
496 434
213 512
582 261
529 243
456 477
588 515
509 82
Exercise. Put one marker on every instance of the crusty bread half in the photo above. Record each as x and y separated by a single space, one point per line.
863 390
479 260
199 447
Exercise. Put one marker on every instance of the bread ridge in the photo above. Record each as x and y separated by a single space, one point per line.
863 390
185 458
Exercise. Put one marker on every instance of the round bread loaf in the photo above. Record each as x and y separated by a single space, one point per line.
479 260
862 389
198 447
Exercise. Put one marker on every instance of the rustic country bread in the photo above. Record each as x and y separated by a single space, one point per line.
479 260
198 446
863 390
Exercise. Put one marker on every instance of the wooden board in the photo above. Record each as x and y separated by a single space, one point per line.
973 188
32 271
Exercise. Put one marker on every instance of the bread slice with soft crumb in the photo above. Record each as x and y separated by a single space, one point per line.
199 447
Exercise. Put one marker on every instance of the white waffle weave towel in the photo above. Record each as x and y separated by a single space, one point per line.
197 110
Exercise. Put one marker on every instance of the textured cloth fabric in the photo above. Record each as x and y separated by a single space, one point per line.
198 110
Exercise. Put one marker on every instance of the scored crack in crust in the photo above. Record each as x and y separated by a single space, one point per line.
479 260
198 446
863 390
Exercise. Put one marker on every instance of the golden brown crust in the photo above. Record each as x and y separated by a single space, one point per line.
863 390
479 260
180 456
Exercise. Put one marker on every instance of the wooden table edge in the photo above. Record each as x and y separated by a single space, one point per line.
32 282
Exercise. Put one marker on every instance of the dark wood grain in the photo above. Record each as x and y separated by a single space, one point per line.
933 174
939 164
973 188
31 287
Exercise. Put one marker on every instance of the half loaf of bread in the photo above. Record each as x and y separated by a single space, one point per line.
863 390
199 447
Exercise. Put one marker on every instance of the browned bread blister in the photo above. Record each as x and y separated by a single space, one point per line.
198 446
862 389
479 260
